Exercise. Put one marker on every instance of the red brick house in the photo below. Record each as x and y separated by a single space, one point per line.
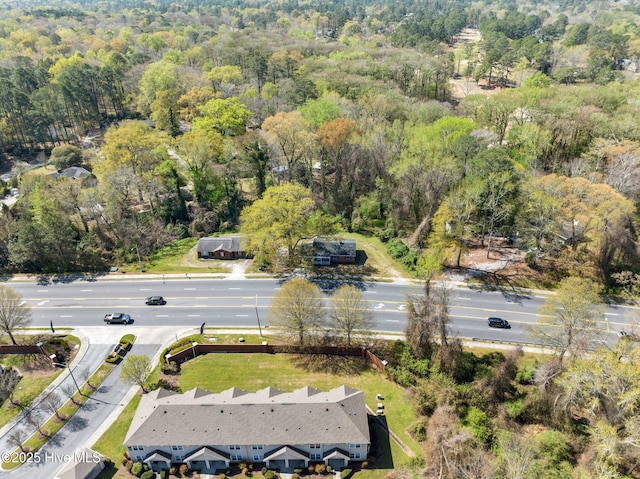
220 248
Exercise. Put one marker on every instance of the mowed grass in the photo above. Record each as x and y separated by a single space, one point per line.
251 372
178 257
377 257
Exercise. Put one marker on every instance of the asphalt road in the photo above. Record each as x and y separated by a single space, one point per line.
241 303
224 303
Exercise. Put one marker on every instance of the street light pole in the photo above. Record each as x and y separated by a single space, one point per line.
258 316
138 253
70 374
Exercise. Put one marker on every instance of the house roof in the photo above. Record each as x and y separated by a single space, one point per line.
231 243
234 416
74 172
79 469
331 247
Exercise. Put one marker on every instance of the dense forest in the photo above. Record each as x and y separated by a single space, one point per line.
439 127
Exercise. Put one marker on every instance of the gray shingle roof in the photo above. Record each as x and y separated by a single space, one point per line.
234 416
206 245
329 247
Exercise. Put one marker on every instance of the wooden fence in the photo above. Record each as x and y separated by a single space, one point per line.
191 352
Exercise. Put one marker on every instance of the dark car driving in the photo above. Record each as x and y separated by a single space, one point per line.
155 300
498 323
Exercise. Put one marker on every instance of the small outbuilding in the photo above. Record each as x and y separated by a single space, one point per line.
220 248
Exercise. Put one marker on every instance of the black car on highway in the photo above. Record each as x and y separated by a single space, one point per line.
155 300
498 323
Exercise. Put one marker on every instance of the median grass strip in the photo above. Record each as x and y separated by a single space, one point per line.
58 420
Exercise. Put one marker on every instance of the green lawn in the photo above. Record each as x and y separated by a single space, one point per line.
217 372
35 377
178 257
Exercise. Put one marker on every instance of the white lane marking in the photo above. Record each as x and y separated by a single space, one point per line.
193 315
66 316
379 306
465 299
511 302
189 289
145 289
22 303
393 320
371 292
242 315
233 288
42 290
611 314
162 315
86 290
402 307
43 302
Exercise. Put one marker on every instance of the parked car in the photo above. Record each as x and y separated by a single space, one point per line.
155 300
117 318
498 323
629 336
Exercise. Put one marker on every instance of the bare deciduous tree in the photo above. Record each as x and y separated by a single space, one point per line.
350 315
52 404
14 313
297 309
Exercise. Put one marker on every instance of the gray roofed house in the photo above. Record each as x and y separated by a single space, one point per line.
333 251
220 248
282 430
85 464
73 172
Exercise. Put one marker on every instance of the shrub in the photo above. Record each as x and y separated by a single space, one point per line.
148 475
516 409
128 465
345 473
419 431
136 469
163 474
269 474
263 470
113 358
396 248
222 475
478 422
183 469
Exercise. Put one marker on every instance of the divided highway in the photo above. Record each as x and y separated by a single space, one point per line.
222 302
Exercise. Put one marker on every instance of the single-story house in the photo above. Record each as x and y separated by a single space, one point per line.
73 172
329 251
220 248
280 430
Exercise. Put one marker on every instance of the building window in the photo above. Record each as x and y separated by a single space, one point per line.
139 458
177 448
315 457
236 457
354 446
222 254
258 457
179 458
234 447
136 448
257 447
354 455
314 446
